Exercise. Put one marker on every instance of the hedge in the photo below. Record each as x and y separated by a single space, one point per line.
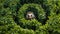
54 24
13 17
40 12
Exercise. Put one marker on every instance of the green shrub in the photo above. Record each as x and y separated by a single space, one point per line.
13 17
54 23
40 12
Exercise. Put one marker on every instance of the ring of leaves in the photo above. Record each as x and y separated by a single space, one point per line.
30 23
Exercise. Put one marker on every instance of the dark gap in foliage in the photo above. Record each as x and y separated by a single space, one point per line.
33 28
47 12
1 24
31 1
6 5
58 11
55 32
3 13
50 32
9 28
27 26
2 32
17 8
16 20
56 3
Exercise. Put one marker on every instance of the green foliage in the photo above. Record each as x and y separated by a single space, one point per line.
40 12
13 17
54 23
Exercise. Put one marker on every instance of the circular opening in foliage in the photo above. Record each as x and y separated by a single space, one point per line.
39 13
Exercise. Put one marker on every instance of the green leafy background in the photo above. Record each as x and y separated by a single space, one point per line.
13 20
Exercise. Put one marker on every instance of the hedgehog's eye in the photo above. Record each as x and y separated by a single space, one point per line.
28 15
31 15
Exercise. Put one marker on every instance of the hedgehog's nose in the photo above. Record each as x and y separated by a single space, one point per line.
30 16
